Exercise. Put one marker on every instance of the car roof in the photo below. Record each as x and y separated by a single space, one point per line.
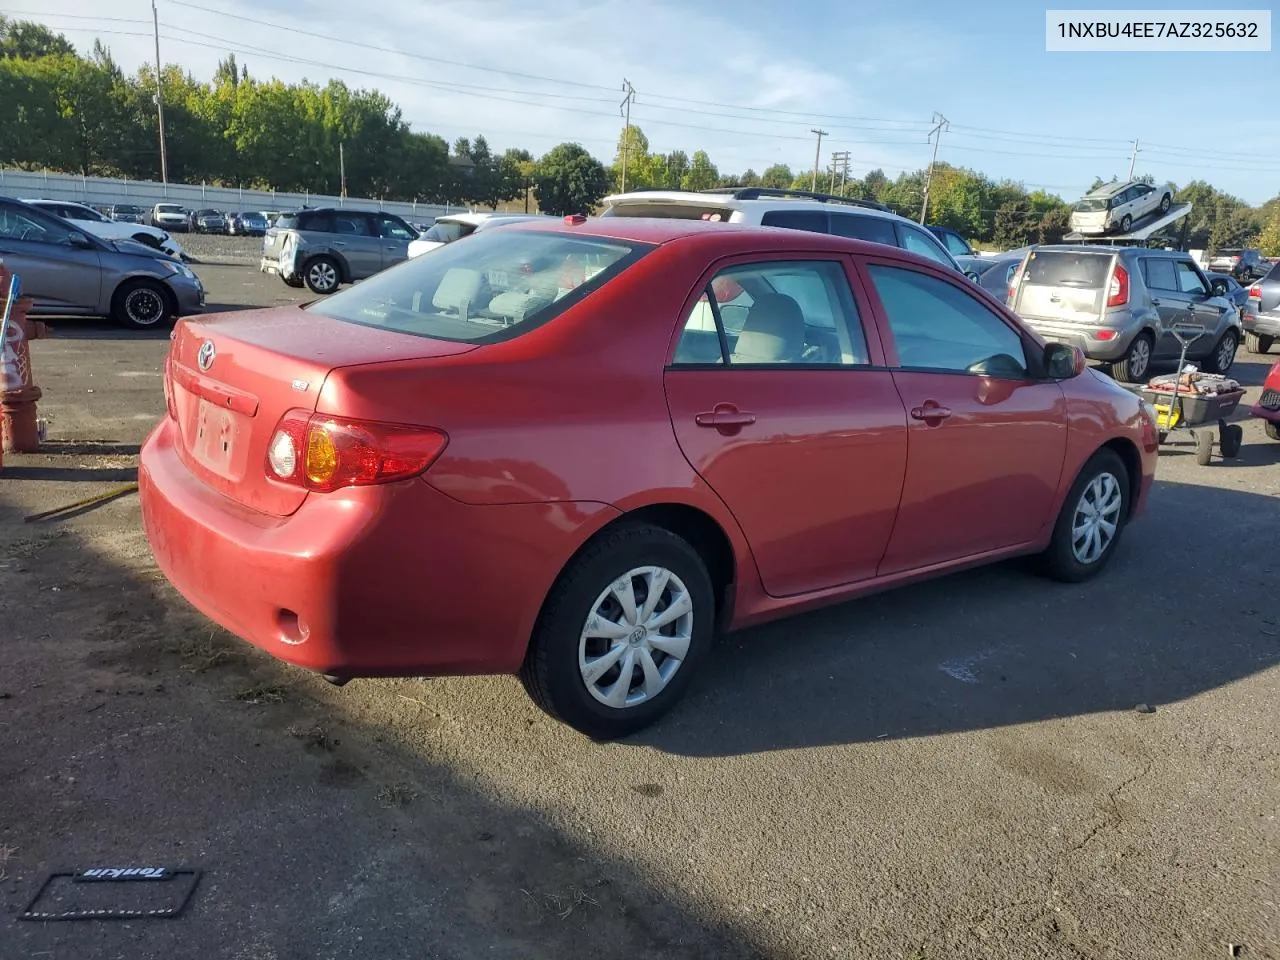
729 237
725 199
1107 249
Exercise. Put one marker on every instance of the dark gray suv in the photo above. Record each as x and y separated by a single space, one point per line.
327 247
1121 305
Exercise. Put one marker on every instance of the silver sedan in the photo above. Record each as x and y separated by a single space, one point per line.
67 272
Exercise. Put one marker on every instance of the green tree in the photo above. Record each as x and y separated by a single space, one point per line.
778 176
25 40
1269 238
702 174
634 145
568 180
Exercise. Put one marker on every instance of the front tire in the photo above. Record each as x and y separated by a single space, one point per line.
1224 353
623 632
1258 343
1091 521
1136 363
1273 429
142 305
322 275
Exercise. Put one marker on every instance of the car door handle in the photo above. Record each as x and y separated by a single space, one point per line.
726 418
339 243
931 412
1155 301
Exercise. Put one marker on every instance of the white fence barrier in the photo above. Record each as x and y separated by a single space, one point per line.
36 185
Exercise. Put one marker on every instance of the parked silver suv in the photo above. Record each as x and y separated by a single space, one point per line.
327 247
1120 305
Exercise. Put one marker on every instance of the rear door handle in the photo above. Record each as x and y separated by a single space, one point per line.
1155 302
726 418
339 243
931 412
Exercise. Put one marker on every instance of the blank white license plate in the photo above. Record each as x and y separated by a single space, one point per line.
215 440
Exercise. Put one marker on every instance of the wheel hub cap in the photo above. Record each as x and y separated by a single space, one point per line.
636 637
1096 519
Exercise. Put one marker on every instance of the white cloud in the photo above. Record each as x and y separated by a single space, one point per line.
665 51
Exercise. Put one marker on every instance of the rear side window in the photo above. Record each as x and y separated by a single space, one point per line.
497 285
669 210
1160 274
872 229
814 221
351 225
1056 268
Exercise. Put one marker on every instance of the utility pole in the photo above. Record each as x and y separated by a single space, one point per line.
164 157
840 165
342 168
1133 157
940 124
817 155
625 110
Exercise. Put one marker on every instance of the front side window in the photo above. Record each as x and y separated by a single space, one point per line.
873 229
497 285
779 312
33 227
1189 279
939 327
917 241
955 245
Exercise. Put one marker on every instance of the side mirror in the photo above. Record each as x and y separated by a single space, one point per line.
78 239
1218 288
1062 362
973 275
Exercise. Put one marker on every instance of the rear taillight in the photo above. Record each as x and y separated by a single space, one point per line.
169 404
323 453
1255 292
1118 294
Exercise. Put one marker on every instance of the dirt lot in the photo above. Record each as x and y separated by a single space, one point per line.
991 766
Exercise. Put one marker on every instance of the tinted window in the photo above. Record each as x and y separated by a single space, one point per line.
1160 274
917 241
394 229
815 221
937 326
447 231
955 244
789 312
481 289
874 229
1067 268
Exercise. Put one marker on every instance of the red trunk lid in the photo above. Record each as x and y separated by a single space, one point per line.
232 377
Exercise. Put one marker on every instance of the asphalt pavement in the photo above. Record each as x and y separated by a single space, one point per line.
987 766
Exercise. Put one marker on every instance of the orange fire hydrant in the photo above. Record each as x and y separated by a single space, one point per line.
18 391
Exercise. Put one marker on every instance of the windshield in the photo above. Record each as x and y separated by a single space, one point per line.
1091 205
481 289
168 208
669 209
126 208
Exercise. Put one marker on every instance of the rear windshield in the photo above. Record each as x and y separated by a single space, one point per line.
669 210
497 285
447 231
1092 205
1230 252
1062 268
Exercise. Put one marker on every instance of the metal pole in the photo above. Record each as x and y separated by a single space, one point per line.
342 167
1133 157
817 156
940 124
626 130
164 154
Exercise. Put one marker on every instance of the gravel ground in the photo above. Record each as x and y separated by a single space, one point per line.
988 766
211 248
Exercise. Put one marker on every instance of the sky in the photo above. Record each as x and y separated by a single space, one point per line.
747 81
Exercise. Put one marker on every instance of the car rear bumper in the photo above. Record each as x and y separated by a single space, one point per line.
395 580
1085 337
1263 324
273 267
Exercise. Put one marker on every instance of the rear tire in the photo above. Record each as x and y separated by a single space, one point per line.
1125 223
1258 343
1223 355
1204 447
560 651
1273 429
322 274
1231 441
1073 555
1136 363
1165 203
142 305
295 282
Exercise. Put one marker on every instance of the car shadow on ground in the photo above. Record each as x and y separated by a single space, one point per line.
135 734
1188 605
99 328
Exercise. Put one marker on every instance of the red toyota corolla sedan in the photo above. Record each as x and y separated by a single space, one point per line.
575 450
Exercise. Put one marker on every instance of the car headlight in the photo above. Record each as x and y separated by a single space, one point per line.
179 269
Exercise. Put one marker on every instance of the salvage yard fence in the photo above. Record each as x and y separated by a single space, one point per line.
102 191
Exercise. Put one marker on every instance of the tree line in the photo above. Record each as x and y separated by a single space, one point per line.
83 114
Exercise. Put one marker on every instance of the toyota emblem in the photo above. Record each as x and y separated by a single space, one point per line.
206 354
